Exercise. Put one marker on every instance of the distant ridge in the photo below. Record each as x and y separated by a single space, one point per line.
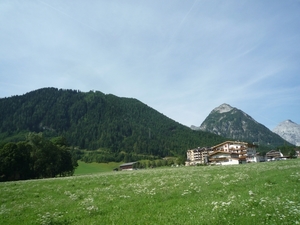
233 123
289 130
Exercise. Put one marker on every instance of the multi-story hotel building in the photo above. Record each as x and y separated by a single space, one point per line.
197 156
242 151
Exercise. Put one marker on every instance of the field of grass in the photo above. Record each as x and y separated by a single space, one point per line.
91 168
257 193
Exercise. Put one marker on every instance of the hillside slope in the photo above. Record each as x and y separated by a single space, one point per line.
95 120
289 131
235 124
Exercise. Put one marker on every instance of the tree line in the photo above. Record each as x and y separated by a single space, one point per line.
36 157
94 120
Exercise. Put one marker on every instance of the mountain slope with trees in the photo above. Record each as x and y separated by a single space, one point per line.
95 120
235 124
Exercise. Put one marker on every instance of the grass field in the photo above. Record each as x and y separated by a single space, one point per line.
91 168
257 193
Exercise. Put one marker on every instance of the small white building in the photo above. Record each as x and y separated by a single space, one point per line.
225 158
273 155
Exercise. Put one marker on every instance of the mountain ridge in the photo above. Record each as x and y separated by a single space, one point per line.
93 120
289 130
231 122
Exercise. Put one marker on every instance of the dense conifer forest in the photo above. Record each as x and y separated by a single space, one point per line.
116 127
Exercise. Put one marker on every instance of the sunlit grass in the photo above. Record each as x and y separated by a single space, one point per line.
261 193
92 168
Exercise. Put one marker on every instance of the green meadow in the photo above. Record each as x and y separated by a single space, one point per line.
256 193
91 168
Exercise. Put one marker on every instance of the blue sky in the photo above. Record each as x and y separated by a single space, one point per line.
182 58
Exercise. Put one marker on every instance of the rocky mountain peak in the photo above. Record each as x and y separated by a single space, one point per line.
286 124
289 130
289 121
223 108
233 123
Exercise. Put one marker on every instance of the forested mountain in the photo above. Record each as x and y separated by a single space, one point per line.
96 120
235 124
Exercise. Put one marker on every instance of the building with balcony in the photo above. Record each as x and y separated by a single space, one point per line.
273 154
228 152
197 156
243 149
225 158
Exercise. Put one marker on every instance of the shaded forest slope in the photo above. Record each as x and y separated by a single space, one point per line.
96 120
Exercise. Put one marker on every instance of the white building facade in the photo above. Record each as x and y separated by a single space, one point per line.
236 152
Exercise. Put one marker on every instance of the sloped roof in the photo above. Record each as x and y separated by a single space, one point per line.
230 142
128 164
